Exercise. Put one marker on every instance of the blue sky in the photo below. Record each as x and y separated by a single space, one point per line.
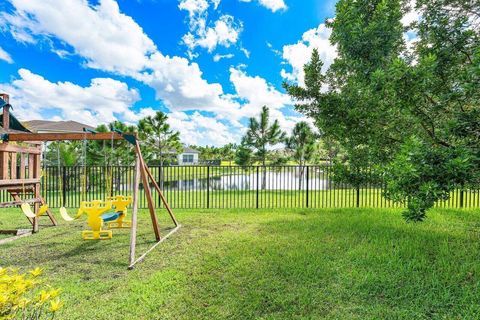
210 64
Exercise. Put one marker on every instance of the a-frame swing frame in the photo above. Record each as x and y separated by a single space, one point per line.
141 172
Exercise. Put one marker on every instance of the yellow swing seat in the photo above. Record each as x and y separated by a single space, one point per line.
94 210
27 210
120 203
65 215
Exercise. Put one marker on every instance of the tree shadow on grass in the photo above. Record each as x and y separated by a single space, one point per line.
337 267
62 250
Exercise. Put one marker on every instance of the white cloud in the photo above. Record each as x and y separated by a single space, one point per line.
111 41
194 7
219 57
104 100
105 37
224 32
412 14
245 52
201 130
270 46
181 86
273 5
256 92
410 36
299 54
5 56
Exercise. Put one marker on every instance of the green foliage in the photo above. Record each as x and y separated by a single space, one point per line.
63 153
381 100
22 296
420 175
224 153
260 135
244 156
302 143
108 152
160 142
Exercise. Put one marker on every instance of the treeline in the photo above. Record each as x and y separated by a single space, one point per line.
159 143
263 144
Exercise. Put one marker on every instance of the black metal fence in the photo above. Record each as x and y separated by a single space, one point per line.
192 187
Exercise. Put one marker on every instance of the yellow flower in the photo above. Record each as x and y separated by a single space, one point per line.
36 272
54 293
23 303
3 271
3 299
55 305
44 296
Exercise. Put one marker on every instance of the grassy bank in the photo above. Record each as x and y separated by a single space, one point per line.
282 264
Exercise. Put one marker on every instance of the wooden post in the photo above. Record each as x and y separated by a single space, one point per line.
22 166
148 193
37 207
37 166
4 165
31 166
6 116
133 233
34 172
13 165
162 197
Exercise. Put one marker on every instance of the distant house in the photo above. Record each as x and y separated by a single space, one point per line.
45 126
189 156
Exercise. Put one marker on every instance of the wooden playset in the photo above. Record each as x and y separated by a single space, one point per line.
21 177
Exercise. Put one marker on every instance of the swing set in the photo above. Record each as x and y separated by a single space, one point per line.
111 211
20 176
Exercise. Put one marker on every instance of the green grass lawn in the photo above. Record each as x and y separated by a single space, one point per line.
268 199
266 264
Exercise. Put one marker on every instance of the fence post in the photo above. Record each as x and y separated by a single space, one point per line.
306 186
257 187
160 182
358 196
64 186
461 197
208 187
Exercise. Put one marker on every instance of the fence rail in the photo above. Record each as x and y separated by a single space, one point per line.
203 187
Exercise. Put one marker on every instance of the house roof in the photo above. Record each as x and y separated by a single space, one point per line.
56 126
184 150
190 150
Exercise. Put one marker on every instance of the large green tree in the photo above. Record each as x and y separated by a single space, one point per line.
160 140
108 152
62 153
261 134
412 111
302 145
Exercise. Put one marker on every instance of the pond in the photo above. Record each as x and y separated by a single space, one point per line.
291 179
